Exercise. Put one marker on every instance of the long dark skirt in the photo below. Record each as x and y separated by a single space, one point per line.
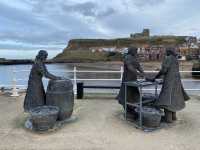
132 95
35 95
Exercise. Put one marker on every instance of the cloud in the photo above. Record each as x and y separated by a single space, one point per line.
24 26
142 3
89 9
36 28
50 23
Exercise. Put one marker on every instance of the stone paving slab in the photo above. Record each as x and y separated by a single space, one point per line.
100 125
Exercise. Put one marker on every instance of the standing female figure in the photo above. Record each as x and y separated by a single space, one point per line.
35 95
172 96
132 69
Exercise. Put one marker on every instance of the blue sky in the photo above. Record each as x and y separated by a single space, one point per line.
49 24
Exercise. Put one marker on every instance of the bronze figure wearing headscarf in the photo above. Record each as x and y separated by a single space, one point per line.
172 96
132 69
35 95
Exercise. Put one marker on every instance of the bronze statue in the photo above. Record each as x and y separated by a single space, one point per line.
173 96
35 95
132 69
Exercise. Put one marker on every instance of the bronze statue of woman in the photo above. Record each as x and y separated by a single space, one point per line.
35 95
172 96
132 69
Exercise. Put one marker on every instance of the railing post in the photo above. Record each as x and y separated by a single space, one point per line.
75 82
14 84
121 71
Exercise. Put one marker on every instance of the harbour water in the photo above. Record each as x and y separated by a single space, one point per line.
22 73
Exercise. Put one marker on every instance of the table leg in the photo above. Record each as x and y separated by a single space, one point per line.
140 121
156 92
125 107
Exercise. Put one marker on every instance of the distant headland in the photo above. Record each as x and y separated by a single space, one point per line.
150 47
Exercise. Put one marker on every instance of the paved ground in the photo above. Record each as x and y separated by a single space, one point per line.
100 125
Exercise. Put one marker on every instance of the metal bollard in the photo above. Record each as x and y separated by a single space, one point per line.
75 82
14 83
121 71
80 91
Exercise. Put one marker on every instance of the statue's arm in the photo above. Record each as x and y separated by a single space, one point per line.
47 74
164 68
132 67
140 69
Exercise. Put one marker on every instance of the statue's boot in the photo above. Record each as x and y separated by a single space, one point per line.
168 116
174 118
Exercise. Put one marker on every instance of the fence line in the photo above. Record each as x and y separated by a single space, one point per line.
101 71
14 84
82 79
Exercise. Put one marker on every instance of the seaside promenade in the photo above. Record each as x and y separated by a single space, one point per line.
99 125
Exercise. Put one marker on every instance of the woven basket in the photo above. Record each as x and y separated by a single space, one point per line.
44 117
151 116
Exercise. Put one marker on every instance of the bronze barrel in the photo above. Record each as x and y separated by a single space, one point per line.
60 93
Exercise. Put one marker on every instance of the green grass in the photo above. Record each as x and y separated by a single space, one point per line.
87 56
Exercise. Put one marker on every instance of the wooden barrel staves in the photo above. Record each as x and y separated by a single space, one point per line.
60 93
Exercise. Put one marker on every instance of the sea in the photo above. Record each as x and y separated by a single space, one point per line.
21 74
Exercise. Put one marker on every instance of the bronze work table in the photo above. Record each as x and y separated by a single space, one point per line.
140 85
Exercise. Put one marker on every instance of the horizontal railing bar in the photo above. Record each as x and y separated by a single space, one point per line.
10 85
185 80
98 79
101 71
81 79
21 71
102 87
21 79
5 85
160 89
49 70
106 71
188 71
89 71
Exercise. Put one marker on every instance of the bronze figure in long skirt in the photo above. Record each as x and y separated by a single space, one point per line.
35 95
132 69
172 96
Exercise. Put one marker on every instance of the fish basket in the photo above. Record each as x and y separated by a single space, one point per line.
151 116
44 117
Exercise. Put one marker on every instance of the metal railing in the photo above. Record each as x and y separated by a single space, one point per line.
15 86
